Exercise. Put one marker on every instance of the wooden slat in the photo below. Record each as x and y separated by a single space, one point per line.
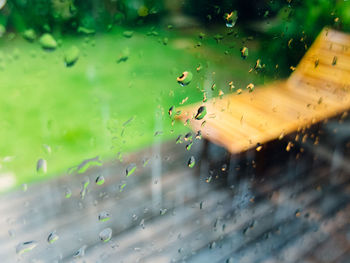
310 95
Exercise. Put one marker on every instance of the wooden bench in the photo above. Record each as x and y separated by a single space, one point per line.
317 90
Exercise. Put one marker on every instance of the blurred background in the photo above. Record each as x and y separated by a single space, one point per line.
85 90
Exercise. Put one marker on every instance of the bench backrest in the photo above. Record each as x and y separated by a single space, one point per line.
326 65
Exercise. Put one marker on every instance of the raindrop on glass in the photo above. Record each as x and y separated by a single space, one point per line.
67 193
29 34
47 42
163 211
178 139
80 252
185 78
231 19
25 247
104 216
2 3
128 34
71 56
105 235
142 223
202 111
188 136
199 135
53 237
130 169
41 166
171 111
85 185
100 180
191 162
244 52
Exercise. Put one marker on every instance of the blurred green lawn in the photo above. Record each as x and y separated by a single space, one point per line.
80 111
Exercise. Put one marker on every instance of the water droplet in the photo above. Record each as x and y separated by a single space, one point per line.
199 135
205 99
121 187
100 180
128 34
191 162
80 252
178 139
289 146
212 245
244 52
165 41
29 35
188 136
188 146
104 216
85 184
106 235
185 78
202 111
84 165
67 193
335 59
41 166
317 61
25 247
224 167
71 56
124 56
130 169
221 94
250 87
48 42
142 223
2 3
47 148
53 237
11 233
163 211
158 133
258 65
258 147
145 162
171 111
86 31
231 18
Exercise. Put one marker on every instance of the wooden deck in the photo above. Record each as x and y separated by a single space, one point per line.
297 211
318 89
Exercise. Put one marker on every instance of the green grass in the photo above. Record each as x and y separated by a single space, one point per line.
80 111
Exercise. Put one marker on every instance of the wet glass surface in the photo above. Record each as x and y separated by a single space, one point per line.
174 131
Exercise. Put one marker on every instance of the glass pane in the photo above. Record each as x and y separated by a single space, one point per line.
174 131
